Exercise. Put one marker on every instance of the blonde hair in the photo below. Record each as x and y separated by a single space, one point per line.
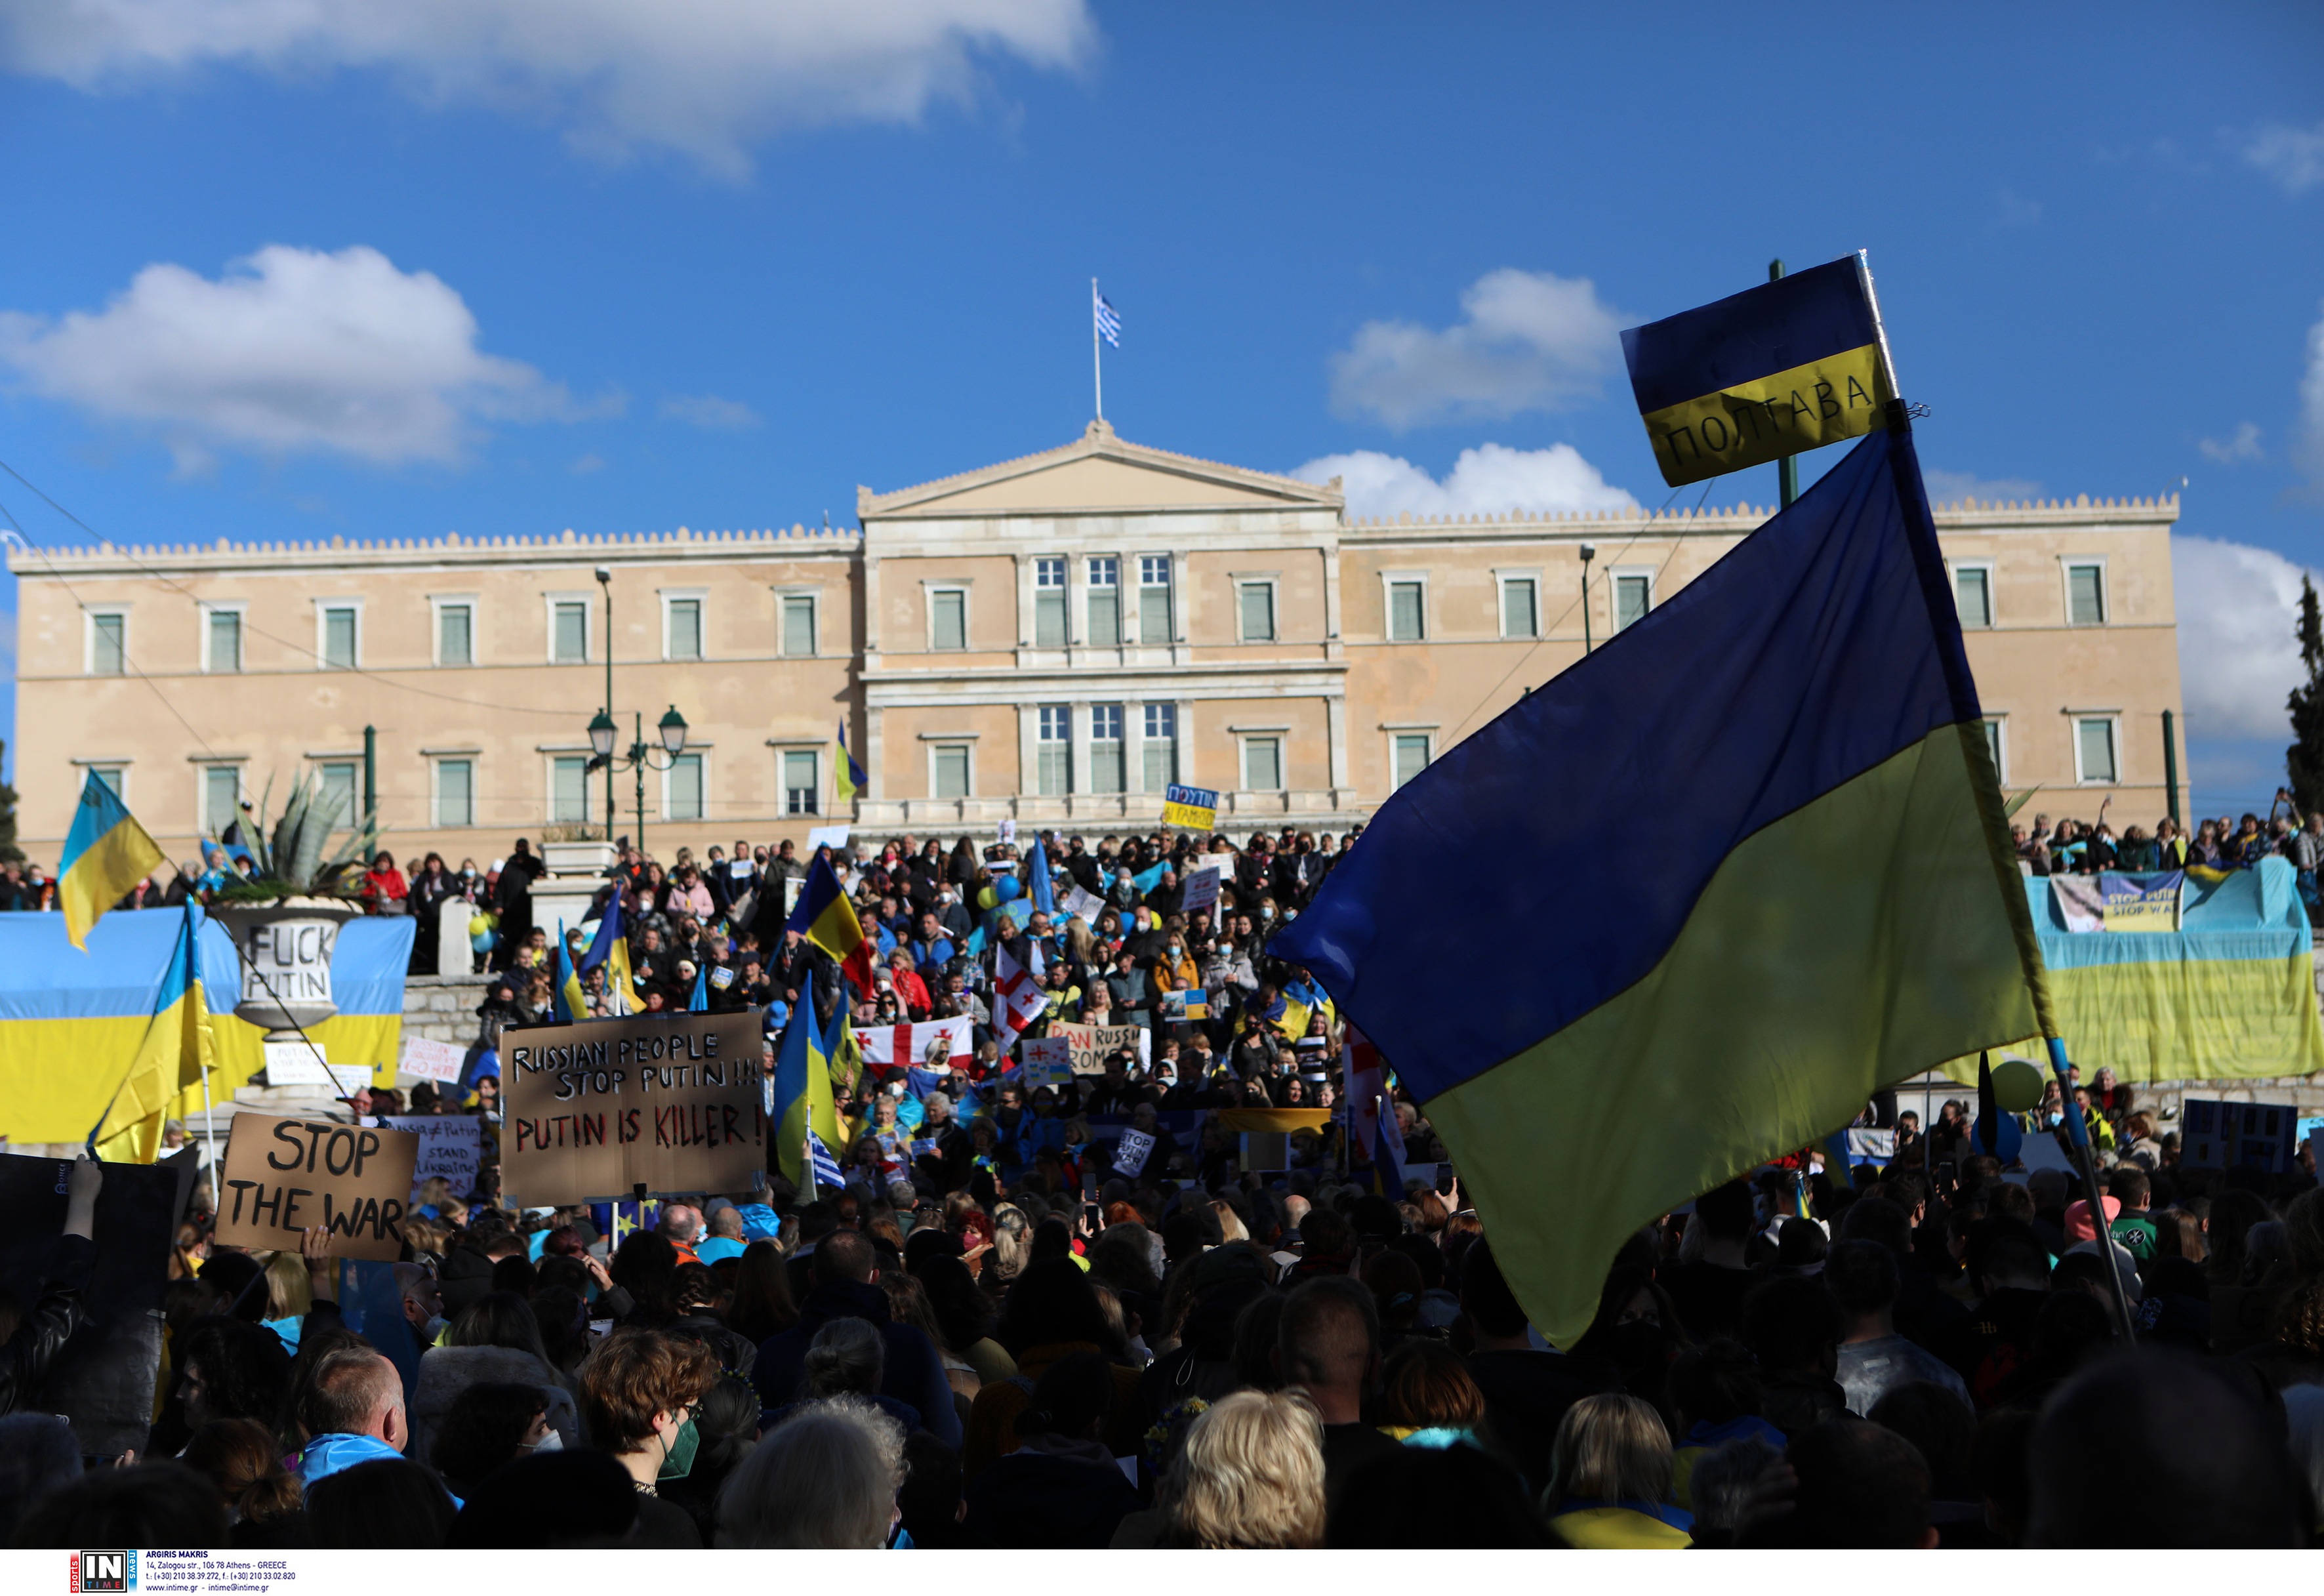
1230 1222
288 1293
1252 1474
1610 1446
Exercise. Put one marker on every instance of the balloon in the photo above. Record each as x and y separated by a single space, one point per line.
482 941
478 923
987 899
2016 1086
1007 888
2007 1139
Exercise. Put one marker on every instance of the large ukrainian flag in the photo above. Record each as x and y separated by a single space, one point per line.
107 853
1790 365
803 1100
826 918
1750 862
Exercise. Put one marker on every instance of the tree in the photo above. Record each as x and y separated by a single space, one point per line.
10 854
2303 761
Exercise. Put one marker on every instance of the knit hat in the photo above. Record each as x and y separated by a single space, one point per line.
2079 1227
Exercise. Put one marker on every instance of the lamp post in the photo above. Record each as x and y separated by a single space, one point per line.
640 757
605 584
1589 553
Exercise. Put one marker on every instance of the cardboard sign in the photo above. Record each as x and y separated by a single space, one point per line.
451 1145
432 1061
596 1109
282 1175
1048 1061
1199 890
1089 1055
2214 1135
1129 1155
1194 809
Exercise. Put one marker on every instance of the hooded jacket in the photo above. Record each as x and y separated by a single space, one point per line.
913 1375
446 1372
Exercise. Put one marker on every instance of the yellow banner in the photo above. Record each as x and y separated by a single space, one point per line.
1784 413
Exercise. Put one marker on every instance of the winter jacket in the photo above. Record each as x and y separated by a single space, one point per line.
62 1309
914 1374
446 1372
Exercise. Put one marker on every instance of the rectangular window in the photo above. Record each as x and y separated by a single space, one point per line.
455 792
224 642
1520 615
113 776
1154 598
1104 602
1048 604
1161 749
798 625
338 780
801 787
948 617
682 799
1404 608
1411 755
2086 596
455 634
685 624
1257 611
339 637
1973 594
108 644
2094 739
1633 598
568 789
569 631
951 760
1106 770
1993 747
1053 750
221 798
1262 764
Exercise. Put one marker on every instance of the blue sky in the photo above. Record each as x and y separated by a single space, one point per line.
501 267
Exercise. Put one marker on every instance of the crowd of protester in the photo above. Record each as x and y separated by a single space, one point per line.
1002 1331
2075 847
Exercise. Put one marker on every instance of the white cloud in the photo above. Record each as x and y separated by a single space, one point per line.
709 411
1529 340
288 351
2243 446
1948 487
702 77
1488 480
2238 651
2293 156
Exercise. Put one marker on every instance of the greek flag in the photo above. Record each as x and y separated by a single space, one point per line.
1109 320
824 1167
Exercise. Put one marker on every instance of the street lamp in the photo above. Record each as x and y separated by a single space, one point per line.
1589 553
641 757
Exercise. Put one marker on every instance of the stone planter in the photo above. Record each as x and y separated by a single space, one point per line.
285 952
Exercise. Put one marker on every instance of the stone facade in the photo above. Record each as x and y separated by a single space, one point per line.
1050 641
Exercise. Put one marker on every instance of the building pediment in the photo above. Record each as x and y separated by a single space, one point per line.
1100 473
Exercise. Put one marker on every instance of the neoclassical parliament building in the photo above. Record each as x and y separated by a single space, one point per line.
1052 640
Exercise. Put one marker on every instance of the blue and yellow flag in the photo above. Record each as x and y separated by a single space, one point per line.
846 776
569 1001
107 853
802 1091
824 917
1839 911
610 948
1790 365
176 1049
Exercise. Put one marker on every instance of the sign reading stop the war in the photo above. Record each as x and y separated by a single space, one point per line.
596 1109
283 1176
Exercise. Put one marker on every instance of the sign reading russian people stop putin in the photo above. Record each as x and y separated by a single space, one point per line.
598 1108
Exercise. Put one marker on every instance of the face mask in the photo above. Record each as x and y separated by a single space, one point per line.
431 1330
553 1441
1265 914
679 1461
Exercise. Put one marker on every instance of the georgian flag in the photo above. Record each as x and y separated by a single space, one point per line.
1017 1000
890 1044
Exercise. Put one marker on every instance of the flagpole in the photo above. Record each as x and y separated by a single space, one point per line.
1097 359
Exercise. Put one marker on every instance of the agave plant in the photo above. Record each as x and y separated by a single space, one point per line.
292 861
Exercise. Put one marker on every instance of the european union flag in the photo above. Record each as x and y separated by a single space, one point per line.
1776 370
1835 909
